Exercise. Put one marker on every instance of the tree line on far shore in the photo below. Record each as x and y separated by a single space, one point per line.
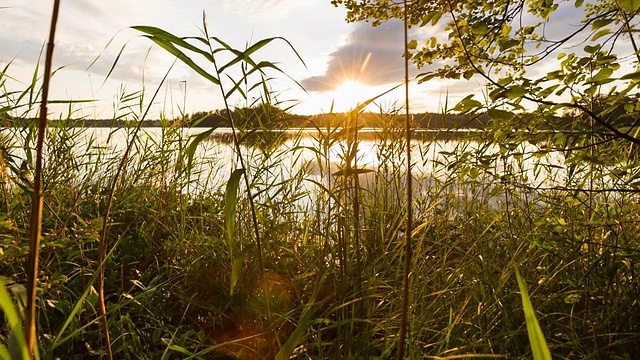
272 117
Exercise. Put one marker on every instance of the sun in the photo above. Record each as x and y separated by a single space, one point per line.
351 88
346 96
351 93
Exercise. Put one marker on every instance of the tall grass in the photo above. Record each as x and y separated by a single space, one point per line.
408 247
185 276
36 195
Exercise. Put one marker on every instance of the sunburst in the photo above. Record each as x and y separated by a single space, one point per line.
349 94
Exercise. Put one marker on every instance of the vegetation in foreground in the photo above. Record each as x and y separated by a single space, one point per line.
310 265
177 285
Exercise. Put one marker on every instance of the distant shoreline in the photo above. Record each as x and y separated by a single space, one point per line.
279 120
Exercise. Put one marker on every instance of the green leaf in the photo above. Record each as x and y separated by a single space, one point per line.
158 33
230 202
255 67
631 76
480 28
536 337
601 23
600 34
467 104
505 81
297 336
500 114
86 295
436 17
193 146
169 42
497 94
236 267
4 353
591 49
547 91
180 349
245 55
15 325
468 74
184 58
591 90
508 44
426 77
515 92
412 45
602 75
361 107
554 75
629 5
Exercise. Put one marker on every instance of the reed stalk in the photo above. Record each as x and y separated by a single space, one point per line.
247 183
409 188
37 198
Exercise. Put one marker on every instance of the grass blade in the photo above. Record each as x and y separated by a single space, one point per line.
536 337
57 342
15 325
169 46
297 335
158 33
193 145
230 202
236 267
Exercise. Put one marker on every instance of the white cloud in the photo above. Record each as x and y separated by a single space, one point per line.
369 55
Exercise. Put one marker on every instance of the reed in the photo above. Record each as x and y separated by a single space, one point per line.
36 197
408 248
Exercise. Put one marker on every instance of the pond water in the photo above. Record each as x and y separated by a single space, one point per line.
317 156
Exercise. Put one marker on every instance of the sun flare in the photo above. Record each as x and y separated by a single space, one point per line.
352 93
349 94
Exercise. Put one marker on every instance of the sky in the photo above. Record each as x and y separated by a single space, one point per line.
335 64
339 64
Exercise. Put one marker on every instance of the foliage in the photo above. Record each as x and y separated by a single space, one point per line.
260 116
516 49
579 105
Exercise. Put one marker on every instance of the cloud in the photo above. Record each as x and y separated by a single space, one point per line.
371 56
258 10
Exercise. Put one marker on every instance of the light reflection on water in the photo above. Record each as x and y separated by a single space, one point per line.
215 157
300 153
